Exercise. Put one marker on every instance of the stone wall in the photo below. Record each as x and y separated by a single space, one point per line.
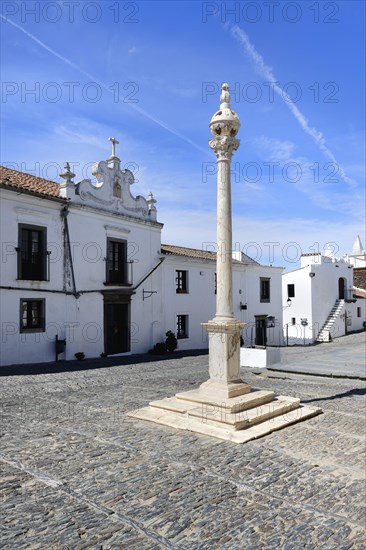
359 277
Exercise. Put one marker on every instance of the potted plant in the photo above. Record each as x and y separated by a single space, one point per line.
171 341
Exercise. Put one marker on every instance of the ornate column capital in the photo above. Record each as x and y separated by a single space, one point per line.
224 147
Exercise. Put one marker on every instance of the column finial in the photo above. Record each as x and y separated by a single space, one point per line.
225 96
67 175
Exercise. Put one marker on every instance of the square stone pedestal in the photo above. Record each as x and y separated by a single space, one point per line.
226 407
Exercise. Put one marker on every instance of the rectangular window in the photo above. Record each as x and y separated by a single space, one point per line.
293 320
181 280
182 326
358 312
290 291
116 264
215 283
32 253
265 289
32 315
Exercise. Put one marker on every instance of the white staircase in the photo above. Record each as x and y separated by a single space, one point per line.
324 334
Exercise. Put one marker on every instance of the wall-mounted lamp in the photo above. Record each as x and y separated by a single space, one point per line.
311 274
289 302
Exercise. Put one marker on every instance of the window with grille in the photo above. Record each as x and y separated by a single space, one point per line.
116 264
32 315
181 280
32 253
182 326
265 294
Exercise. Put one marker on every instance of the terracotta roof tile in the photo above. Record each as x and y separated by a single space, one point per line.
200 254
359 277
22 180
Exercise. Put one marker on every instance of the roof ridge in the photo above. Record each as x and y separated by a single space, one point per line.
200 253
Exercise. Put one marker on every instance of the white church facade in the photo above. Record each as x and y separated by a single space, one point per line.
84 264
320 299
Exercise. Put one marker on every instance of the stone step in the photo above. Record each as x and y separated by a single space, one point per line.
233 404
184 422
220 417
174 405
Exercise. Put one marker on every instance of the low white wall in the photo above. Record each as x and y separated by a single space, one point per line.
260 358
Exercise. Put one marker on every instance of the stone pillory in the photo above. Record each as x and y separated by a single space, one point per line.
225 406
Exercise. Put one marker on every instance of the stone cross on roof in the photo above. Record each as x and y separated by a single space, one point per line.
114 143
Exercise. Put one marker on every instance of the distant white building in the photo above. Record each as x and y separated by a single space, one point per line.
357 258
84 264
319 300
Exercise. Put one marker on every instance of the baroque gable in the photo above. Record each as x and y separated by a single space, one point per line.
112 192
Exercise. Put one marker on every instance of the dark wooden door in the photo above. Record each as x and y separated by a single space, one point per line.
341 288
261 332
117 333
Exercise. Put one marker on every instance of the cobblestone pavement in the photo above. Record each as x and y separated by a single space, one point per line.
77 474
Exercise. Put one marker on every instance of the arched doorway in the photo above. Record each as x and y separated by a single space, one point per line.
341 288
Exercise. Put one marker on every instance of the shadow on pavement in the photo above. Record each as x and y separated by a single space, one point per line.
96 363
349 393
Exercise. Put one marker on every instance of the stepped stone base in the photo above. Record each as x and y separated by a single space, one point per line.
242 418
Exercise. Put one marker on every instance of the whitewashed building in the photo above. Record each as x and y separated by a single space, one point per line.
84 264
319 300
189 283
73 258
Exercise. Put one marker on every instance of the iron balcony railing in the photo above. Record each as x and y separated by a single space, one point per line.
33 266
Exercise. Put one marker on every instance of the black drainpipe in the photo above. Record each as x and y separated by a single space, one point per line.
64 214
150 273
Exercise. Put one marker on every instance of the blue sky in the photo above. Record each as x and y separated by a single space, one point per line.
149 73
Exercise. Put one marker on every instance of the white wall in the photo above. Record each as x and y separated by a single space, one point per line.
315 297
250 281
300 307
89 230
200 302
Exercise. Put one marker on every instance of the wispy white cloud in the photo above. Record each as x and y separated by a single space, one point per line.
276 150
267 72
318 188
253 187
134 106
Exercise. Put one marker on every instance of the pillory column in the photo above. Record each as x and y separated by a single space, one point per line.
224 330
